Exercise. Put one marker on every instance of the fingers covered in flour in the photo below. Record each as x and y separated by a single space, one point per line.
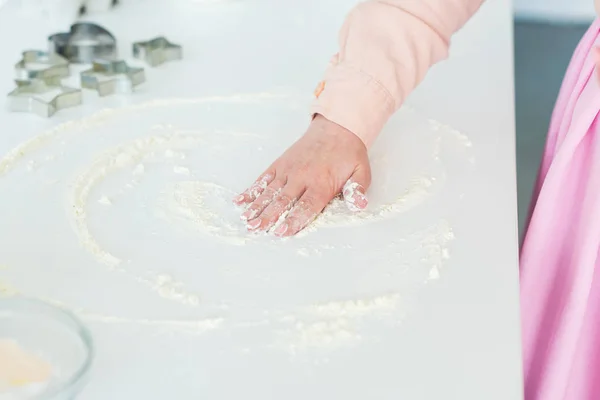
320 162
280 206
250 194
355 188
303 213
263 200
354 196
277 209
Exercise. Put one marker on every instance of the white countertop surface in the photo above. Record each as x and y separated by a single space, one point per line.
417 299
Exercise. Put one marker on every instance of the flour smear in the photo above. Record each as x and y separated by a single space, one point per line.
203 204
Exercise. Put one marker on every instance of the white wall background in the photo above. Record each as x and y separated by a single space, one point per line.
556 10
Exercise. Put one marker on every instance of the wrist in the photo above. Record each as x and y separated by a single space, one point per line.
325 127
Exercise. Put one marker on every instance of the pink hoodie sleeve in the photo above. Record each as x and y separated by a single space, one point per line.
386 48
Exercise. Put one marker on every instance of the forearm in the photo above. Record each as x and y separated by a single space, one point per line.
386 48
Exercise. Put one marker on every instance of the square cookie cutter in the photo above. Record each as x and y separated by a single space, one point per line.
108 77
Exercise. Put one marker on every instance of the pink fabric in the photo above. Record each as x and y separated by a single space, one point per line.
386 48
560 284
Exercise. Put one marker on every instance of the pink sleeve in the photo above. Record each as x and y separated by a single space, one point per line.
386 48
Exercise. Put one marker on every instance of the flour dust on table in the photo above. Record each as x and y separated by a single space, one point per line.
148 191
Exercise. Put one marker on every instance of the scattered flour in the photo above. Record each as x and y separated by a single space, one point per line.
434 273
169 288
32 165
334 215
183 326
337 213
24 149
139 170
304 252
193 326
181 170
191 202
337 322
169 153
187 200
358 308
327 335
431 246
435 246
461 137
105 201
122 156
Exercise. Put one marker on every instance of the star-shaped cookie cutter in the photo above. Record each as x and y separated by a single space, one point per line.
157 51
37 64
108 77
84 43
29 97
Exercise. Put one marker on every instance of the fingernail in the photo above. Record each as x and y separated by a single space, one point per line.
281 230
248 214
360 200
357 202
239 199
252 225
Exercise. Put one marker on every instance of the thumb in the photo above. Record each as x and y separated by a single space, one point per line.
355 188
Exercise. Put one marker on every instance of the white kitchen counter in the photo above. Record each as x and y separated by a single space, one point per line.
414 300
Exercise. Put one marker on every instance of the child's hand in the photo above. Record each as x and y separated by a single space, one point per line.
327 160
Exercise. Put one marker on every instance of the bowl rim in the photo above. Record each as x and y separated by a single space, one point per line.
78 377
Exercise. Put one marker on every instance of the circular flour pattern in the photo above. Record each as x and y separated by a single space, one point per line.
203 203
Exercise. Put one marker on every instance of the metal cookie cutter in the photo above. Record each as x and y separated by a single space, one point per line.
84 43
108 77
157 51
29 97
37 64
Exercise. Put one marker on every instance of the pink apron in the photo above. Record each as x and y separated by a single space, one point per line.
560 278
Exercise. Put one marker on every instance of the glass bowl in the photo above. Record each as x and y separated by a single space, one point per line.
52 337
